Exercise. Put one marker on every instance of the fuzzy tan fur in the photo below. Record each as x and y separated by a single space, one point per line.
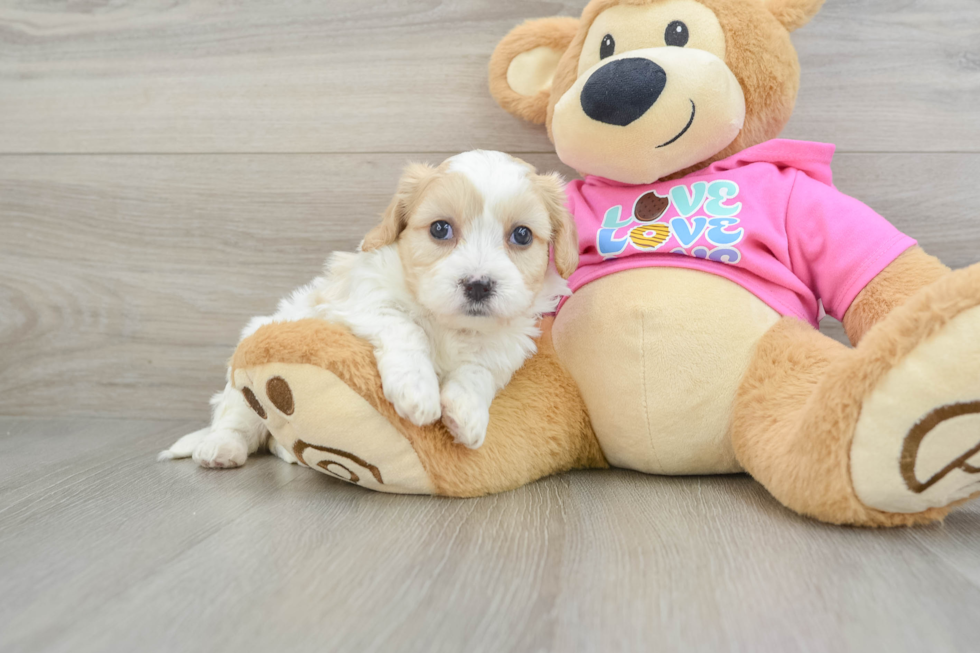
800 401
539 425
913 270
794 14
555 33
411 188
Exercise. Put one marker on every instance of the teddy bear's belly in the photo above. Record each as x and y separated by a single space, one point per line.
658 354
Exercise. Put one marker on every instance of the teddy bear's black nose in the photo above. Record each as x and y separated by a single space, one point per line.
623 90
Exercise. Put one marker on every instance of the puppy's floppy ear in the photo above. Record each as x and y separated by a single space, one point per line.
793 14
564 236
524 63
395 218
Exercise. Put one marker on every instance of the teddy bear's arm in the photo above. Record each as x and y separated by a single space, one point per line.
913 270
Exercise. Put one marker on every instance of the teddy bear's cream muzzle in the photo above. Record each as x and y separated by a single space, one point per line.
663 110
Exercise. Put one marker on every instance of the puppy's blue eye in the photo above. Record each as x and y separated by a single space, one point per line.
521 236
441 230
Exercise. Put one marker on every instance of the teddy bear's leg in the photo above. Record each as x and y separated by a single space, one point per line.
885 434
316 387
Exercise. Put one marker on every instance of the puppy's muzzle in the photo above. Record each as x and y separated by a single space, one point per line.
478 291
623 90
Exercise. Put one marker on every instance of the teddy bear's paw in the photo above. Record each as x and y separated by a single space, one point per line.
917 441
221 450
464 415
414 393
317 420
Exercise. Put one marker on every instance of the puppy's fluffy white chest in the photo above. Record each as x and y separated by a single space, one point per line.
500 351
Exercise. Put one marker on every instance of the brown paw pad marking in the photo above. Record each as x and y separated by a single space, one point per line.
340 471
253 401
650 207
910 449
335 468
280 395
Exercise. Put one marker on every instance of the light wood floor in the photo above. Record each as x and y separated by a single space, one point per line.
169 169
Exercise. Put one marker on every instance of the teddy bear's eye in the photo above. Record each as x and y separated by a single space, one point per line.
677 34
608 47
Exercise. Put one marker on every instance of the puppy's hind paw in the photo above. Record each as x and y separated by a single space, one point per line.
222 450
184 447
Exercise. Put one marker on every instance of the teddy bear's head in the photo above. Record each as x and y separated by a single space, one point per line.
641 90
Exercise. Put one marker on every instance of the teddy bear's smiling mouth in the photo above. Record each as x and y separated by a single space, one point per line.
690 122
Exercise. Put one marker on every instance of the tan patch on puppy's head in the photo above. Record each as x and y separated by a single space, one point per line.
527 210
449 198
395 218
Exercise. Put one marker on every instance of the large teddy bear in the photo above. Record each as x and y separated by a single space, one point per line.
707 253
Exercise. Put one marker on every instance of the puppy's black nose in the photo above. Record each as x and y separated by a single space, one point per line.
478 290
623 90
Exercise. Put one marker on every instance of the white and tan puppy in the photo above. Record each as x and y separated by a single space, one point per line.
448 289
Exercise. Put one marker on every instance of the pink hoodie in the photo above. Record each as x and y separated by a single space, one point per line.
767 218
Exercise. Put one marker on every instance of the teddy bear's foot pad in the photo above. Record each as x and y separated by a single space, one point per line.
917 442
332 429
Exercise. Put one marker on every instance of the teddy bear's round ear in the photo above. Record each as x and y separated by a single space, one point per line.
524 63
794 14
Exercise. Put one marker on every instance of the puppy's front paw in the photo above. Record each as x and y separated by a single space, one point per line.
464 415
221 450
414 394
